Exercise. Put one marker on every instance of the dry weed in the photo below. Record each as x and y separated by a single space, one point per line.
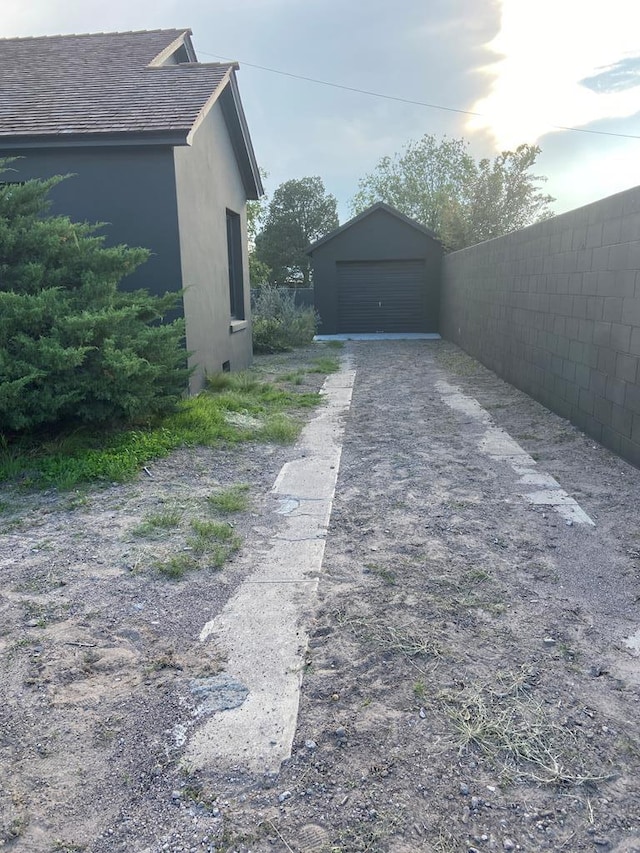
518 735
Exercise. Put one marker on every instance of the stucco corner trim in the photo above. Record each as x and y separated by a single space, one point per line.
237 326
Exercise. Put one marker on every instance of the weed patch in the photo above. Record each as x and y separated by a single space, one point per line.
209 530
210 545
233 499
405 640
518 736
294 378
280 429
326 364
235 408
176 566
165 520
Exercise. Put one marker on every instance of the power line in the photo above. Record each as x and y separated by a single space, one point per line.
407 100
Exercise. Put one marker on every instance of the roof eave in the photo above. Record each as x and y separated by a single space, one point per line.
93 140
241 140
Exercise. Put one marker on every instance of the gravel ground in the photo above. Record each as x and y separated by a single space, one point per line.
471 682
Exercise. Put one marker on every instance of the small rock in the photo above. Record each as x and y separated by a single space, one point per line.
175 795
464 789
508 844
475 802
549 641
600 841
422 713
310 744
340 732
284 796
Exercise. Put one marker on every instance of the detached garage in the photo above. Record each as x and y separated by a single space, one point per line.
379 272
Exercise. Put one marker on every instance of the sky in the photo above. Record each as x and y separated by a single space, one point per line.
505 71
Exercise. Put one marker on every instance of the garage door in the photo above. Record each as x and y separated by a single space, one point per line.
381 296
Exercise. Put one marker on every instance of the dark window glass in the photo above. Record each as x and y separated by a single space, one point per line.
234 250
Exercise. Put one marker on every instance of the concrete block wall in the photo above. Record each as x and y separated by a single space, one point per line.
555 310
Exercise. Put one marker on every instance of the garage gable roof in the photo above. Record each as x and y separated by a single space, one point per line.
380 205
116 88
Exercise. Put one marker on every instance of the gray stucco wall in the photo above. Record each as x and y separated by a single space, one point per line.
208 184
378 237
131 189
555 310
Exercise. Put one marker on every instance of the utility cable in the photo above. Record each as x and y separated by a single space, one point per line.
408 100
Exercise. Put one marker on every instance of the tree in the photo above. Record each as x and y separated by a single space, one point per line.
463 201
73 348
259 272
300 212
504 197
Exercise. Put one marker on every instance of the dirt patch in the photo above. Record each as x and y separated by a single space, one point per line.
104 594
469 685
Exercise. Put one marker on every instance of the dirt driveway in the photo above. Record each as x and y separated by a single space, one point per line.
472 679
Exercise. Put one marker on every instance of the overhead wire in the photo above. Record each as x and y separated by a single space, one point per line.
409 101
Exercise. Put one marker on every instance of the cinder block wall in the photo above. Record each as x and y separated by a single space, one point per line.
555 310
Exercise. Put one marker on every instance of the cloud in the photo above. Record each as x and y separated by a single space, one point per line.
547 53
617 77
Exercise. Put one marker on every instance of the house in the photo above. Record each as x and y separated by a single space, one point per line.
379 272
157 147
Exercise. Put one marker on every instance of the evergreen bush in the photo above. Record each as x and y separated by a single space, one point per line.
278 323
73 347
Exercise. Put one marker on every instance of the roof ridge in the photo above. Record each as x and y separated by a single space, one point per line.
178 30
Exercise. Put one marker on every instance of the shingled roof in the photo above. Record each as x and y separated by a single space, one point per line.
104 84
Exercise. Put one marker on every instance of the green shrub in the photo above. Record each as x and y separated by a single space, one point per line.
73 347
279 324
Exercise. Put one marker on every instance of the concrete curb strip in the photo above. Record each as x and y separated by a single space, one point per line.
260 629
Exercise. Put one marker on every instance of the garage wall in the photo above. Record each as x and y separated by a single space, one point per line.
380 236
555 310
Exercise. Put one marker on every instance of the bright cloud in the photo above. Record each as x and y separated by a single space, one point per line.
545 53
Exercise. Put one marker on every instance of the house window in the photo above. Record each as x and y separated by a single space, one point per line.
234 250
